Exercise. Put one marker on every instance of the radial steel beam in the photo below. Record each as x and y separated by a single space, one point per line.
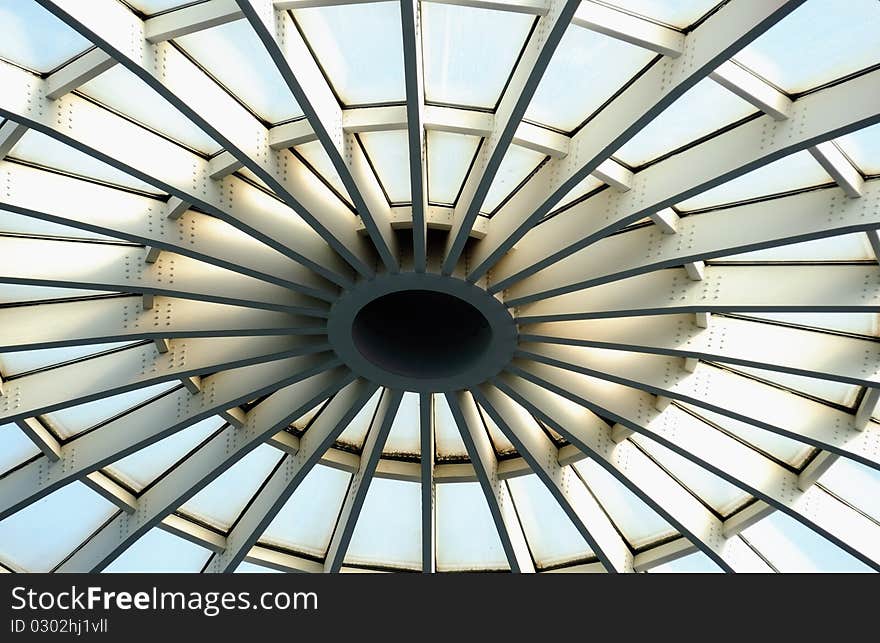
728 30
102 266
720 454
511 108
121 319
147 425
793 288
498 497
791 219
140 366
733 397
171 168
572 495
293 59
632 468
88 206
119 32
202 467
411 19
360 480
816 117
729 340
428 485
290 473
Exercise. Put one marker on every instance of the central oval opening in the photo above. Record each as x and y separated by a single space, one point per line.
421 333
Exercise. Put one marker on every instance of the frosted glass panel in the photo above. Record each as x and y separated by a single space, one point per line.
404 437
516 165
157 551
389 154
449 157
19 362
677 13
388 530
466 536
32 37
15 447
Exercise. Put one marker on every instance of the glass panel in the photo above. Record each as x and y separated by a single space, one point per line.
845 247
859 323
47 152
779 446
220 503
863 147
517 164
20 362
157 551
586 186
389 528
404 438
303 421
120 90
696 563
306 521
447 439
454 38
32 37
449 158
466 535
585 71
714 491
389 155
316 156
856 484
552 537
837 392
705 108
677 13
792 547
795 172
23 224
18 293
15 447
842 38
355 432
250 568
502 445
234 55
69 421
142 467
640 524
42 534
360 48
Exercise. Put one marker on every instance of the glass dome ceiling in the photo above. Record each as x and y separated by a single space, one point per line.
676 200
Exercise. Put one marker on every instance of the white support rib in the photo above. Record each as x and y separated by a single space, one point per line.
458 121
840 168
152 254
306 82
615 175
512 106
666 553
144 426
111 490
867 407
696 270
726 31
572 494
78 73
192 532
162 344
429 497
410 13
874 240
817 467
629 28
360 481
702 319
41 437
291 134
632 468
223 165
198 470
10 133
234 415
191 19
667 220
175 208
498 497
541 140
285 441
753 89
619 433
289 474
745 518
148 300
282 562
